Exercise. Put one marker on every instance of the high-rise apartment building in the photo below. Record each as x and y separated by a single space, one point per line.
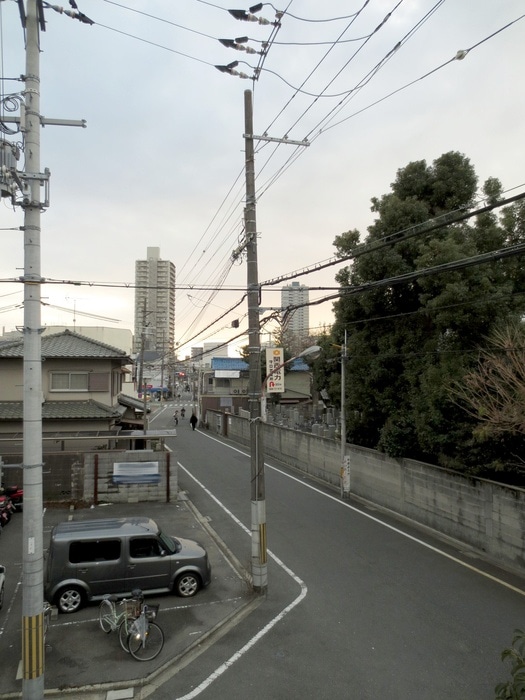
297 320
154 303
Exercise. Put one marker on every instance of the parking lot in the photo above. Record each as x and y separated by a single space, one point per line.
78 653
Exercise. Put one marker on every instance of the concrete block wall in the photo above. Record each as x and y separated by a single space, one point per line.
107 491
485 515
318 458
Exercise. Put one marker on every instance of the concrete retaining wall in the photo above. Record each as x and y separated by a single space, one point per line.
486 515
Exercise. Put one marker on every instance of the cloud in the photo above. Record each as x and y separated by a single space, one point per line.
164 144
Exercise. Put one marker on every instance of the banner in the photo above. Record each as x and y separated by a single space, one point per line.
274 370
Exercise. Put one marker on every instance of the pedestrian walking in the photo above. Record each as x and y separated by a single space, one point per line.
176 417
182 412
193 421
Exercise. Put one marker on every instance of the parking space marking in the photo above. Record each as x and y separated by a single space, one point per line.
165 609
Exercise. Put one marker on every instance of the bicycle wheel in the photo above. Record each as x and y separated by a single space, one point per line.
47 617
123 633
106 616
152 645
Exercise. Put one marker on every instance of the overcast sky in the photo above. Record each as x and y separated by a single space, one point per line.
161 162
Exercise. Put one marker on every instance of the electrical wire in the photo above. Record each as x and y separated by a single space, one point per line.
323 129
209 36
299 151
348 94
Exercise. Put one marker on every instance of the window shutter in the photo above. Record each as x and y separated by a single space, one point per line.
99 381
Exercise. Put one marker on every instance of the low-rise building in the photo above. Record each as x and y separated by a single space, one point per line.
224 385
82 381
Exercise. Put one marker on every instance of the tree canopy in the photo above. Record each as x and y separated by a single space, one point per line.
409 340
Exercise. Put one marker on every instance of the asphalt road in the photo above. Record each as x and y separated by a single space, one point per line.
358 605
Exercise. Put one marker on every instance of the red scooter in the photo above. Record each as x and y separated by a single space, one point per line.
6 510
16 494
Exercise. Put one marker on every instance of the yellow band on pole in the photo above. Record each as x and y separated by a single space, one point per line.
33 646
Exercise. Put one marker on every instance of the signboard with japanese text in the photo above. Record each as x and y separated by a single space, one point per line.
274 370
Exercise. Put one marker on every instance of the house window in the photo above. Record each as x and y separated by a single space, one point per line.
79 381
98 381
69 381
117 383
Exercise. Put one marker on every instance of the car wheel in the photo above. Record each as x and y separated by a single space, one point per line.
187 585
69 599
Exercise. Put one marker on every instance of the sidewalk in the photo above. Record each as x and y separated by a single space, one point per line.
83 662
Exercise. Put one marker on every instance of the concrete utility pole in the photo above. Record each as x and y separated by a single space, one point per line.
33 550
345 461
142 381
31 182
258 496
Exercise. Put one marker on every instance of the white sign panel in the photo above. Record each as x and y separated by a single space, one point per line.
136 473
274 371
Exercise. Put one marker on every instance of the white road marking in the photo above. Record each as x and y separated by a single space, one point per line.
238 654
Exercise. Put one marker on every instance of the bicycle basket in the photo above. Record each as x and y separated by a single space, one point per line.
132 607
151 611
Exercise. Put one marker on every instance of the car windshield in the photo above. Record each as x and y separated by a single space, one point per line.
170 544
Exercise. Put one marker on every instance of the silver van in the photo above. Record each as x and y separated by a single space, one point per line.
88 559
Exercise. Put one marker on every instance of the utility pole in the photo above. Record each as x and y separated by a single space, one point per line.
258 497
32 540
258 494
31 182
162 368
142 381
345 461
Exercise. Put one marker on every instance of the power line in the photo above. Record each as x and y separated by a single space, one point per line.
325 124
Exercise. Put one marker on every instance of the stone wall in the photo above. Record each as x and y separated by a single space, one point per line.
485 515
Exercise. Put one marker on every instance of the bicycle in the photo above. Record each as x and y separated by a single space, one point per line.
146 638
47 612
110 619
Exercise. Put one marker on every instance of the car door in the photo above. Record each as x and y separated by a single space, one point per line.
148 565
100 564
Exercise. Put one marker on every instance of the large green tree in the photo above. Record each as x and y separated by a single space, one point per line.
408 340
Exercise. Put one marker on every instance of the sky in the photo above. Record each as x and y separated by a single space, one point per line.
370 84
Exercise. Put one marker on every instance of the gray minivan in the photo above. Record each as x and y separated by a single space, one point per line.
88 559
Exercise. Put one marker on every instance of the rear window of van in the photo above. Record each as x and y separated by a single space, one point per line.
95 550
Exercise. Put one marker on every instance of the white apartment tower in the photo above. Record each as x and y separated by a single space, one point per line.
297 321
154 303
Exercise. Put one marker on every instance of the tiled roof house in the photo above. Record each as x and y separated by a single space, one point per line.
81 385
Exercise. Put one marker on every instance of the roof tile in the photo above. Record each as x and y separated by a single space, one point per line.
66 344
60 410
232 363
